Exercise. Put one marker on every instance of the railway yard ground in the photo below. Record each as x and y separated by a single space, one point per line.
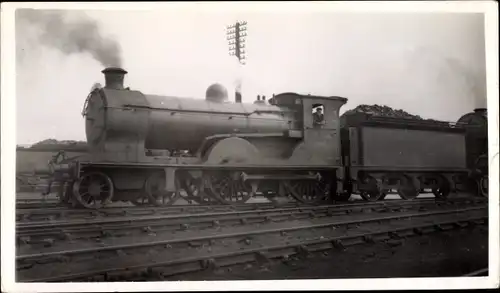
424 237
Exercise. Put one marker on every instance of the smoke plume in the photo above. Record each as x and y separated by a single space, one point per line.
55 29
459 79
238 84
474 82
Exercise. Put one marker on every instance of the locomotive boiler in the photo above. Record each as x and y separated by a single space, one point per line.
212 150
125 125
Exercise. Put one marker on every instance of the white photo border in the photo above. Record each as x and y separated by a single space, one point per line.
8 147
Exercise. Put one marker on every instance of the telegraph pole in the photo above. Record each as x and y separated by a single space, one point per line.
236 34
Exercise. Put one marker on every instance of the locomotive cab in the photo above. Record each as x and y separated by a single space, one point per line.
321 138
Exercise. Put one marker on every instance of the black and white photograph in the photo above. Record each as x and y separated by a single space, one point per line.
269 145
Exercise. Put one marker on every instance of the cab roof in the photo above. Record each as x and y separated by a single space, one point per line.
284 98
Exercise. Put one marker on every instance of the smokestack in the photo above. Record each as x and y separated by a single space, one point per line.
114 77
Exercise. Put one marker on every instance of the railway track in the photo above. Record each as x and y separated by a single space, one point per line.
156 255
51 214
36 203
63 213
46 234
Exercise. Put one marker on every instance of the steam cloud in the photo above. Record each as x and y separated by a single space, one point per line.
238 85
56 30
472 82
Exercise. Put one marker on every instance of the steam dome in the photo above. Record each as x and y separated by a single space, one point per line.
216 93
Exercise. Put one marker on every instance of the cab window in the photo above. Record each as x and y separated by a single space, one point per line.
318 114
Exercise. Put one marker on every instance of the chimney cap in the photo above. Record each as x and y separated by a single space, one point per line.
114 70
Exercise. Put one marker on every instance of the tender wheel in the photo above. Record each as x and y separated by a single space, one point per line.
370 195
443 190
155 190
383 195
93 190
406 188
482 184
309 191
346 194
228 187
374 191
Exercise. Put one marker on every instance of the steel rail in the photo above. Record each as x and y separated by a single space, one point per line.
144 244
199 210
232 255
25 216
62 212
107 227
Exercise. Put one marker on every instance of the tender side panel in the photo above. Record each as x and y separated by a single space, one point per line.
411 148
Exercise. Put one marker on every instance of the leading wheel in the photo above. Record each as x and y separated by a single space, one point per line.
93 190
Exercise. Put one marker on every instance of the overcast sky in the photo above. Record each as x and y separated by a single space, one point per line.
432 65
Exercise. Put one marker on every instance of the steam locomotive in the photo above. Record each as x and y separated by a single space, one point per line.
152 150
